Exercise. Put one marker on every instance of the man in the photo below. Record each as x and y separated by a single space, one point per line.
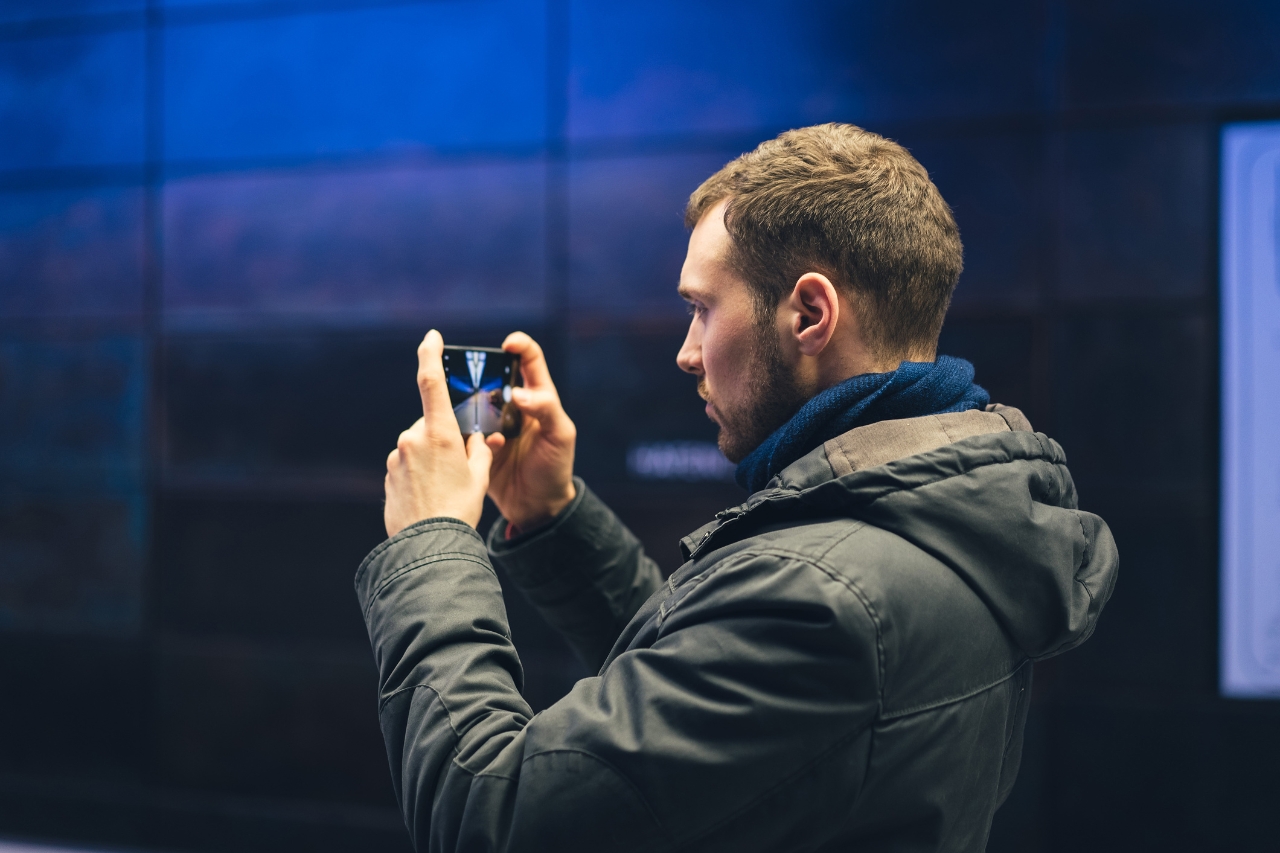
843 662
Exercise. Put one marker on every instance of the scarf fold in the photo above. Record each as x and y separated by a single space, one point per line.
915 389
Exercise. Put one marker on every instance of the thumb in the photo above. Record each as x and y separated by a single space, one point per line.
479 458
542 404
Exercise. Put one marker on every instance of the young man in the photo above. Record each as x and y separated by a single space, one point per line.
844 660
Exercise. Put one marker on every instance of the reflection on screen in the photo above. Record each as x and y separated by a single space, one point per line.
1250 410
479 386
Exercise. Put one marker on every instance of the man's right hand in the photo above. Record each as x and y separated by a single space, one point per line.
531 480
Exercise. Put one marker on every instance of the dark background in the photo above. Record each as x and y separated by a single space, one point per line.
224 227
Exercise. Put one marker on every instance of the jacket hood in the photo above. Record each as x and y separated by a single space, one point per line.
999 509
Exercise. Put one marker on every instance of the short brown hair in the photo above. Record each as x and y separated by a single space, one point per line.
854 206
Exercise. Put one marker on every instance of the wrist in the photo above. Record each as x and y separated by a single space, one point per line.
544 513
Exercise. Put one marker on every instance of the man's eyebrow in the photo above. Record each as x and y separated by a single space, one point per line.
687 293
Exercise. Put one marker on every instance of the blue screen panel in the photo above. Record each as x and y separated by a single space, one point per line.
73 506
669 67
1251 410
435 245
1157 52
438 75
72 561
73 410
30 10
994 184
1133 203
627 238
71 252
72 101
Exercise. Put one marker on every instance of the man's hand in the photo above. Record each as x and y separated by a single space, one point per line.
432 472
532 475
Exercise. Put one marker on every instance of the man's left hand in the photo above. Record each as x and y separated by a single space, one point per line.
433 472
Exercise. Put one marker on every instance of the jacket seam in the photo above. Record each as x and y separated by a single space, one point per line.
1084 555
1004 417
861 595
875 621
448 715
1008 742
952 700
1075 579
845 456
942 425
418 528
418 564
858 525
616 772
692 583
832 574
457 738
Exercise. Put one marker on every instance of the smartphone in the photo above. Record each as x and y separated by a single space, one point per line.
480 382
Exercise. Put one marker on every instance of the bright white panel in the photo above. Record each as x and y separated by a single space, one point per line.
1251 410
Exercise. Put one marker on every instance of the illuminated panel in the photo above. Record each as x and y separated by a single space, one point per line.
1251 411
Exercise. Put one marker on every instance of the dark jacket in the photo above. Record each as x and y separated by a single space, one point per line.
843 662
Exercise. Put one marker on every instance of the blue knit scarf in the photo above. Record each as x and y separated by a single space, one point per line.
915 389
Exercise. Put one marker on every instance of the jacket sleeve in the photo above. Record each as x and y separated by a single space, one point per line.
741 723
585 572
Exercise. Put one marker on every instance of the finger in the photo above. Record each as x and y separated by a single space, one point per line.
544 406
533 364
479 458
432 384
415 433
496 441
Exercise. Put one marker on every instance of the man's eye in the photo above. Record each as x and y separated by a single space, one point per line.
693 308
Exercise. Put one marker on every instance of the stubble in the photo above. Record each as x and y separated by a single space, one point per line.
772 401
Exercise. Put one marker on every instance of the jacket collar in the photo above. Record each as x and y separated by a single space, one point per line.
801 485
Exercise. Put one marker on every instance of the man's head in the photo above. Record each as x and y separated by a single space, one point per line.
824 253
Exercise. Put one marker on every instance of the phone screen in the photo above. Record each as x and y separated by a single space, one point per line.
480 382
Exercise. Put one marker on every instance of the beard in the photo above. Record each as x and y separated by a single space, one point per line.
773 399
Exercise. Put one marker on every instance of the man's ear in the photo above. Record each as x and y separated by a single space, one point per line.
815 307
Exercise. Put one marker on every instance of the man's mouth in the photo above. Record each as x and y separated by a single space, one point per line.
705 394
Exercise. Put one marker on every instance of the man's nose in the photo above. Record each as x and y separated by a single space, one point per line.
690 356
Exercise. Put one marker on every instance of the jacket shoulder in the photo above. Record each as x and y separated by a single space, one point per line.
938 641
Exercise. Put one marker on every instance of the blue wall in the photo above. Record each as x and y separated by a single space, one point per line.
224 226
